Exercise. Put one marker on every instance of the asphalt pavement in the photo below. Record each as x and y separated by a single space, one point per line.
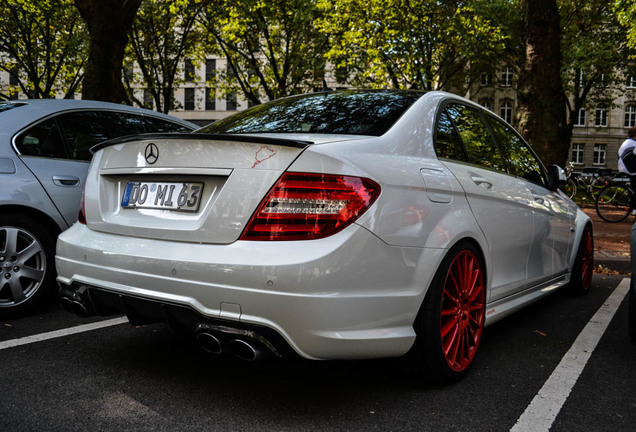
59 375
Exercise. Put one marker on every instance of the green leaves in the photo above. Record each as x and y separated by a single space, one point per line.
44 44
164 33
626 12
422 44
272 47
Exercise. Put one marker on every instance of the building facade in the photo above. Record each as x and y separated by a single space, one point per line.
597 134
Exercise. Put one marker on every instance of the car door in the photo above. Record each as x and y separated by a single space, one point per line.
57 151
554 215
43 151
501 203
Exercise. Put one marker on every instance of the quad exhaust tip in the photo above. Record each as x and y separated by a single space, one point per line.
209 343
244 344
74 302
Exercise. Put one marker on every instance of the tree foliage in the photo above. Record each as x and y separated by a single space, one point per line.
163 34
626 12
595 54
43 46
272 47
424 44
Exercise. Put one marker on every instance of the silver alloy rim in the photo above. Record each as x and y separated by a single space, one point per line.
23 266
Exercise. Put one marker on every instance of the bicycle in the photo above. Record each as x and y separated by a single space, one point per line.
615 202
591 183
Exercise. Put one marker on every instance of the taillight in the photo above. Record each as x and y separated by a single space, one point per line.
81 218
306 206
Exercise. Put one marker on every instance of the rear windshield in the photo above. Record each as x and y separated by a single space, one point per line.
347 112
5 106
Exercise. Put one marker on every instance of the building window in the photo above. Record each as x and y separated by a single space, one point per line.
230 101
599 154
630 115
210 99
506 76
210 70
148 100
580 118
486 103
581 78
506 111
13 77
188 101
601 117
188 71
577 153
486 79
631 81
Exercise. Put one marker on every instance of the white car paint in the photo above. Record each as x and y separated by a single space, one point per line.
355 294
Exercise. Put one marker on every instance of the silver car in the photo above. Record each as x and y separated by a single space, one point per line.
44 157
338 225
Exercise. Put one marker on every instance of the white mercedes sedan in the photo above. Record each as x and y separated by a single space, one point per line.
335 225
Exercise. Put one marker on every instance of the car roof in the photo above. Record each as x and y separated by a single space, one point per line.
28 111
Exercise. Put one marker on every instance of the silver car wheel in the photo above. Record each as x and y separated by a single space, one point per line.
23 265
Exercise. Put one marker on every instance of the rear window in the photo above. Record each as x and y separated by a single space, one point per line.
5 106
347 112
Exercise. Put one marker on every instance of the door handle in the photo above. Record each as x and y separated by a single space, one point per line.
65 180
480 181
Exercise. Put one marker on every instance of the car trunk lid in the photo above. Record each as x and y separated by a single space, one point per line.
183 187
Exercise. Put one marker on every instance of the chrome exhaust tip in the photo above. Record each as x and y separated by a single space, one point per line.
65 303
79 309
244 350
209 343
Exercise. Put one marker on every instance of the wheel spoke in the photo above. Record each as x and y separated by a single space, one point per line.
11 242
16 290
452 343
29 252
34 274
462 310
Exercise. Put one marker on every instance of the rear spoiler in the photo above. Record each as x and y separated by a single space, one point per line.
201 136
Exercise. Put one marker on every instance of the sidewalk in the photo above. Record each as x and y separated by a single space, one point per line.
611 243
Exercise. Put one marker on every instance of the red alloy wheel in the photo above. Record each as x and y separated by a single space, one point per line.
587 259
462 310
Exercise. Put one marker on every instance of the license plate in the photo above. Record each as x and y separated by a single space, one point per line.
170 196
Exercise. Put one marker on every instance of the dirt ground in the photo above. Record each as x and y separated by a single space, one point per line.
611 238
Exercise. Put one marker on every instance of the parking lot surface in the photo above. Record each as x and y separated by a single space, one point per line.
63 373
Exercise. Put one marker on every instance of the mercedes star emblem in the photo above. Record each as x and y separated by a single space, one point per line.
151 153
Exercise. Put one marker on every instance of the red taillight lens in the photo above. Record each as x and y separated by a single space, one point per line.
81 218
305 206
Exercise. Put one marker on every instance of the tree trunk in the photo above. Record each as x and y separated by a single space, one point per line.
541 110
108 23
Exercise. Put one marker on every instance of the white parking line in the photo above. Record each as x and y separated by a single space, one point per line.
64 332
545 406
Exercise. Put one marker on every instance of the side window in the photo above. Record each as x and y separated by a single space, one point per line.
83 130
447 143
43 139
521 161
478 142
159 125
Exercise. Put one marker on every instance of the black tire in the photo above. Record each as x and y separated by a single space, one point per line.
631 314
614 202
27 263
583 270
437 355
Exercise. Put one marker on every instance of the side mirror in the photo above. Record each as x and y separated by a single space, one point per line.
556 177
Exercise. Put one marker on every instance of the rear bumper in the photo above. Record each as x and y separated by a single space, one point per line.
348 296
